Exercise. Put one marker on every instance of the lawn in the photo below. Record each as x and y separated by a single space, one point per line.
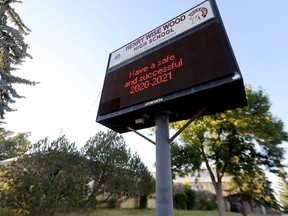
150 212
138 212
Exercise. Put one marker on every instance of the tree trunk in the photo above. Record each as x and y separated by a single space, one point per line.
217 185
244 209
220 199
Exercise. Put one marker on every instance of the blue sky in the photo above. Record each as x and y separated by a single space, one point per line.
71 40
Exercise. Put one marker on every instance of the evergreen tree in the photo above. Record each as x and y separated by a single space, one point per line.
114 170
13 52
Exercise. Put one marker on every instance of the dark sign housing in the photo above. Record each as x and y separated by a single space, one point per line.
180 75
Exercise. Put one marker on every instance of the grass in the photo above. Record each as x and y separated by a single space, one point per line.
4 212
150 212
138 212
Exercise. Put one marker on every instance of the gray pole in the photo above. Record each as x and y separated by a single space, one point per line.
164 197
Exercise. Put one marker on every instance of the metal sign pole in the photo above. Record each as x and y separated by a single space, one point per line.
164 196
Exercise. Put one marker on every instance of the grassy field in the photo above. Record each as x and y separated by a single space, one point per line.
150 212
137 212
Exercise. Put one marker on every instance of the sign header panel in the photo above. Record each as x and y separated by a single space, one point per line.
167 31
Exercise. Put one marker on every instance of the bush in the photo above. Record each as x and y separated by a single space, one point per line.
47 179
205 200
143 202
180 201
187 199
211 205
190 198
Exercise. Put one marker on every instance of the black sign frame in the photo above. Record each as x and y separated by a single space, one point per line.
203 52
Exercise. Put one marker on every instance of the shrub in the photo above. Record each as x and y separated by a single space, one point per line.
205 200
180 201
143 202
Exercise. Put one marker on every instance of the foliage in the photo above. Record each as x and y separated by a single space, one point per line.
139 212
53 177
191 197
253 188
116 173
283 190
232 141
188 199
5 212
205 200
50 176
13 52
180 201
143 202
13 145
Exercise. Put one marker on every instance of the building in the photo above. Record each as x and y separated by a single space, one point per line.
202 181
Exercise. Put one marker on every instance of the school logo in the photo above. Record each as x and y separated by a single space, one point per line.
117 56
198 14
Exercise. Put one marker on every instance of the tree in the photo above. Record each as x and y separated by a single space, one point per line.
114 170
13 145
53 177
252 188
13 52
48 178
232 141
283 190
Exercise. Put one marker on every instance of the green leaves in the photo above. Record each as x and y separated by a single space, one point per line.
283 190
47 177
113 168
233 142
56 177
253 187
13 145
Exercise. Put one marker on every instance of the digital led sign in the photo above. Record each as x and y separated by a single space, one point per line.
192 69
177 66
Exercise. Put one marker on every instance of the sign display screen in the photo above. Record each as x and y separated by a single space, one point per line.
182 64
190 66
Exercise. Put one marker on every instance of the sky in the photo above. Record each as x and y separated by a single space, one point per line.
70 42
